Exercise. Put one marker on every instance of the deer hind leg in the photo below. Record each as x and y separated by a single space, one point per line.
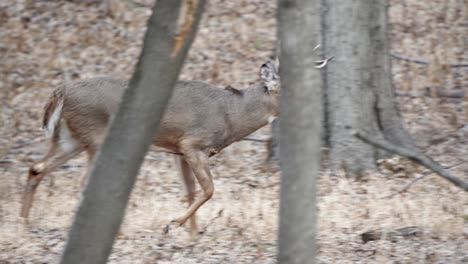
198 161
189 181
56 156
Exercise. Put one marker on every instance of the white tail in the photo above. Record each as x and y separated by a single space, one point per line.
200 120
54 119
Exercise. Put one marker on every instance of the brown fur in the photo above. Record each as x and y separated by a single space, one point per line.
233 90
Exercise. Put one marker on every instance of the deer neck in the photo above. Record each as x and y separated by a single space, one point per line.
248 112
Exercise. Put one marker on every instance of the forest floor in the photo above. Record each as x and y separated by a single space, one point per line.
44 43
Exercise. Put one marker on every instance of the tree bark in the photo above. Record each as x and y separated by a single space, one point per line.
273 156
359 91
170 32
301 126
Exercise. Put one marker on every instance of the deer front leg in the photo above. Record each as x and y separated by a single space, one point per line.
198 161
189 181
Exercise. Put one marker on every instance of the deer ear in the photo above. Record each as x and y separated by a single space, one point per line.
267 71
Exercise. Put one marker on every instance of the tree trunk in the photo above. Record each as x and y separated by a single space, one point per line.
301 126
170 32
359 92
273 156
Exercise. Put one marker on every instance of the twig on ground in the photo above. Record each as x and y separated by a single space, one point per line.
446 93
414 156
29 143
417 61
423 62
139 4
218 215
427 173
406 188
195 242
255 139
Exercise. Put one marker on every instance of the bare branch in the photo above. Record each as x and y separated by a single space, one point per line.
411 184
445 93
29 143
322 63
424 175
417 61
414 156
423 62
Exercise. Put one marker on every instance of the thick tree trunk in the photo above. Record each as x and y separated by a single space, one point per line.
388 117
273 156
359 91
301 126
170 32
358 83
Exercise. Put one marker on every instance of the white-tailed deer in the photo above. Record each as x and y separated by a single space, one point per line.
199 121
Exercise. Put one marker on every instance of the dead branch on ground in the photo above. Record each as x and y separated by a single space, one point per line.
445 93
413 155
423 62
420 177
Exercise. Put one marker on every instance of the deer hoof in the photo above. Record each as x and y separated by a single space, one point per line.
178 222
174 222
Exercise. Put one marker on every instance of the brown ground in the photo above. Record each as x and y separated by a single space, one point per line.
43 43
